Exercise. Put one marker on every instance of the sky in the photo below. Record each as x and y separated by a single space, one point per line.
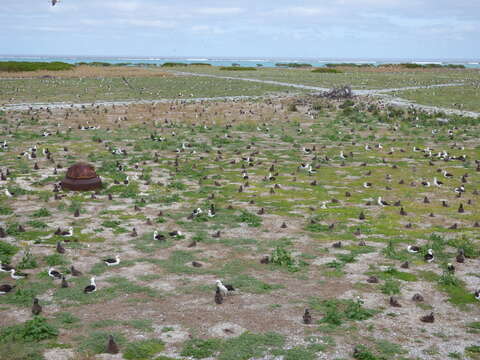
387 29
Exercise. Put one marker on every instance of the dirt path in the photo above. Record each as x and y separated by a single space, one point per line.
316 88
389 100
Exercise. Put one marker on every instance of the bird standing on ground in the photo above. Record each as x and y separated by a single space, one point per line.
112 347
60 248
218 296
75 272
307 317
36 308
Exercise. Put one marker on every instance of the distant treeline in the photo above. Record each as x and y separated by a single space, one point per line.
326 70
405 65
332 65
432 66
238 68
293 65
17 66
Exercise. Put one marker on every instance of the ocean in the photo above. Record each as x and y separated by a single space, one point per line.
219 61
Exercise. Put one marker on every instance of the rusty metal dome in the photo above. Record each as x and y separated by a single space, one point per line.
81 177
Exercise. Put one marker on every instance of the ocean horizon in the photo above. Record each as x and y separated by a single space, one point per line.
242 61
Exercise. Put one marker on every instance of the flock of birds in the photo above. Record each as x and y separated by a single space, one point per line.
250 163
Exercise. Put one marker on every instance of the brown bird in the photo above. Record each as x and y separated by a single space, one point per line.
307 317
192 244
337 245
64 282
394 302
261 211
461 256
36 308
60 248
361 216
417 298
112 347
218 296
284 225
196 264
428 318
265 260
372 280
75 272
405 265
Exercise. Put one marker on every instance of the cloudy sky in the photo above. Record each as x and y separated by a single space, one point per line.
261 28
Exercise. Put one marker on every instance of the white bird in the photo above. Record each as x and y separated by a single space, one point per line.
112 262
413 249
17 276
54 273
68 233
447 174
382 202
436 182
429 256
224 289
8 193
342 156
92 287
324 205
157 236
5 268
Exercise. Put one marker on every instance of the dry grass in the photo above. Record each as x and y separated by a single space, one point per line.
85 71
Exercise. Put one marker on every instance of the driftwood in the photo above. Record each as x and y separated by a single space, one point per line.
344 92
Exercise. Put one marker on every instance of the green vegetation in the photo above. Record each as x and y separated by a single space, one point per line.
37 329
7 251
237 68
293 65
326 70
17 66
243 347
142 350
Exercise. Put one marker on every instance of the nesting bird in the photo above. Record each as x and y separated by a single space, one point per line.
92 287
429 256
413 249
5 289
430 318
54 273
224 289
112 261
